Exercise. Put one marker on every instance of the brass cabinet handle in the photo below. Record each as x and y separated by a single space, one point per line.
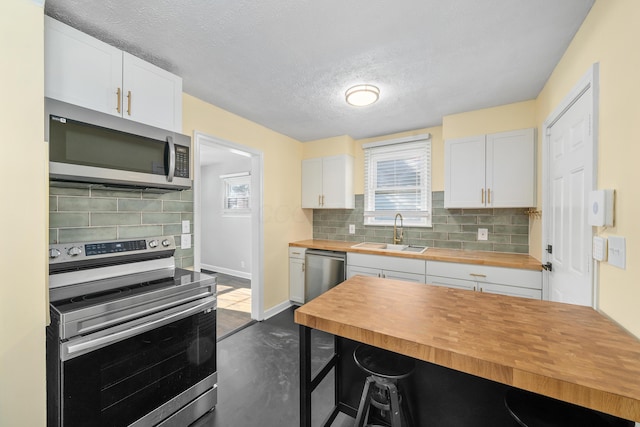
482 196
303 267
129 102
323 200
488 196
119 106
477 275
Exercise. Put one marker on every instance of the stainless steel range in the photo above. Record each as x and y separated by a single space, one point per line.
132 340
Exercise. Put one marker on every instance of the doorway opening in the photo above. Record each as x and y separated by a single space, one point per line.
228 226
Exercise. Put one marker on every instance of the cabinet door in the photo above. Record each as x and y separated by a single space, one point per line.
464 172
353 270
311 183
337 182
81 70
401 275
296 280
151 95
510 177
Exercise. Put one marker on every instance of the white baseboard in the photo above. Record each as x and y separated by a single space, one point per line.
230 272
277 309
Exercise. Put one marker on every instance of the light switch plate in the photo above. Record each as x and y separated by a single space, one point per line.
352 229
185 241
186 226
617 251
483 233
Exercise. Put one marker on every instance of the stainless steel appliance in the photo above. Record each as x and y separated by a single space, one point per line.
132 340
323 270
89 147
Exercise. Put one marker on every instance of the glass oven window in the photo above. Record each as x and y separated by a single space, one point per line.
118 384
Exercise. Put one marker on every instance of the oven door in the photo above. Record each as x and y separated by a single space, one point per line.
145 373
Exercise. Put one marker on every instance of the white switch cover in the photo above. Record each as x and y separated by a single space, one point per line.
185 241
186 226
352 229
617 251
483 233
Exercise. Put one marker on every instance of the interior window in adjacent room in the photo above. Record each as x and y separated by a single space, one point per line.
397 175
237 193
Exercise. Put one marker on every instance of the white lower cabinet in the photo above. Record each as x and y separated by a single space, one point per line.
389 267
296 274
481 278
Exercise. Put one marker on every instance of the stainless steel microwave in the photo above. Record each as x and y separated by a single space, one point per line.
90 148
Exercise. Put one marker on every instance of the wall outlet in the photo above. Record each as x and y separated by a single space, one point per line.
185 241
483 233
186 226
352 229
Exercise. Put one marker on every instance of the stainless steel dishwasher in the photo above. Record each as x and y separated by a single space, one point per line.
324 270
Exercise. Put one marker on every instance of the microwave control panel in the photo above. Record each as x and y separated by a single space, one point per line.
182 162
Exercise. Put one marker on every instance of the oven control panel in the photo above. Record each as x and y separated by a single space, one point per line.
71 252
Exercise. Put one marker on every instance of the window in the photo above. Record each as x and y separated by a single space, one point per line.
237 193
397 179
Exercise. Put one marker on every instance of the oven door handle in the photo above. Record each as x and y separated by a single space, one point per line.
95 343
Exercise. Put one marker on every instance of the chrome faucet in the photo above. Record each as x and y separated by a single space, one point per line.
397 239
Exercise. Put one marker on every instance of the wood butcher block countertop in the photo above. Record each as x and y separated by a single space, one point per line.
496 259
569 352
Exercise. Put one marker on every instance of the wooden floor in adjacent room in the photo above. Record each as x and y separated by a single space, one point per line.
234 303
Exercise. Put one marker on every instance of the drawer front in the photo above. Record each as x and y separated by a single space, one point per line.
482 273
513 291
297 252
381 262
451 283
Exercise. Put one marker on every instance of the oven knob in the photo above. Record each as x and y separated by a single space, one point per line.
54 253
153 243
74 251
166 242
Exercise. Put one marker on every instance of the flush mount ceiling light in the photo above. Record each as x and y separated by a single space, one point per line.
362 95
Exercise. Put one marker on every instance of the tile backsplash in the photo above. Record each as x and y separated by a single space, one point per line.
80 215
452 228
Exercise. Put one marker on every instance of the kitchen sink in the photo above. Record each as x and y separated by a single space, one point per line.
390 247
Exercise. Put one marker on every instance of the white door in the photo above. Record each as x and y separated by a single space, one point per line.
571 177
312 183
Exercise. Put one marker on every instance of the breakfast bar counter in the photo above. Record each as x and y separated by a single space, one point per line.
568 352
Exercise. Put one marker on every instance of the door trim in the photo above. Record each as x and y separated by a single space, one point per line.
257 214
589 80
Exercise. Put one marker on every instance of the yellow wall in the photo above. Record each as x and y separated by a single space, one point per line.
25 186
284 220
609 36
328 147
520 115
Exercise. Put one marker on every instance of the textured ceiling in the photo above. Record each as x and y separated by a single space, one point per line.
286 64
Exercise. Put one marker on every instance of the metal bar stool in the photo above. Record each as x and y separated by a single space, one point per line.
381 386
534 410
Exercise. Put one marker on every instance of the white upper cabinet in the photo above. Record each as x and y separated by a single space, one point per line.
490 171
327 183
84 71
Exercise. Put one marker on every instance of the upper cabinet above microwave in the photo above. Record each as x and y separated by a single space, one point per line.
84 71
490 171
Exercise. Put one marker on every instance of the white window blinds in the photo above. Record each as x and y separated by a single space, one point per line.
398 180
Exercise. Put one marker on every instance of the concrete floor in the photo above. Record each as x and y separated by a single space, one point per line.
258 377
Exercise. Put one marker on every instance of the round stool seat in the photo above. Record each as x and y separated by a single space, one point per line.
383 363
533 410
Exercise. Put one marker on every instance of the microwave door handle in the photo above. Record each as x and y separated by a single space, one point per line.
172 158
